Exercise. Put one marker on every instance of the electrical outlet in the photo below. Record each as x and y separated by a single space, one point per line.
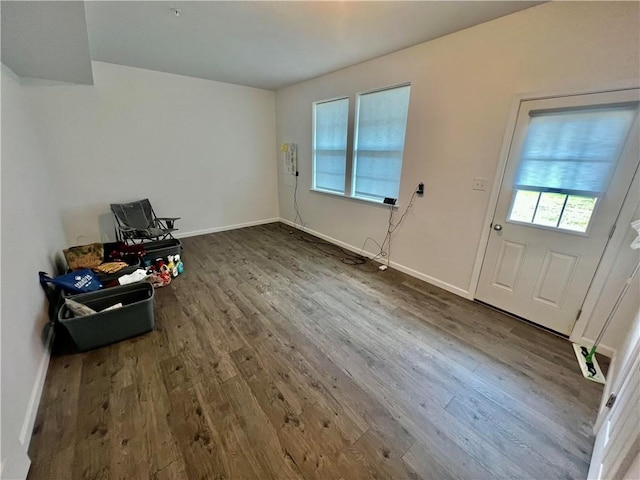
480 184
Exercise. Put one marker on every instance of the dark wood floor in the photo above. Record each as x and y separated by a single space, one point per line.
272 358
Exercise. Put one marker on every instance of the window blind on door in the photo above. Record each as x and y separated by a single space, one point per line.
573 151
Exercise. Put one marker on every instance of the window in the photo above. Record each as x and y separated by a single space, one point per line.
379 142
566 164
330 144
372 171
558 210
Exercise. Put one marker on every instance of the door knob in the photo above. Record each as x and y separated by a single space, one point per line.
497 227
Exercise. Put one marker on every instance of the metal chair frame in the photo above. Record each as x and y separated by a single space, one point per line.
137 222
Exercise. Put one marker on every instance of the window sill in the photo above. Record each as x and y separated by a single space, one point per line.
356 199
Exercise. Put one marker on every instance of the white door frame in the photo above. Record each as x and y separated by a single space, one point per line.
615 242
632 363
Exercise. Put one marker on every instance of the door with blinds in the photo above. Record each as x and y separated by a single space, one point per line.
570 166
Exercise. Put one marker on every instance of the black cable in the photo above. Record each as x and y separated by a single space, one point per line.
413 198
351 258
365 243
296 206
397 225
391 227
387 238
285 227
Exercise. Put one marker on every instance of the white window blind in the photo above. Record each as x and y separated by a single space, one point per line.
573 152
330 144
379 142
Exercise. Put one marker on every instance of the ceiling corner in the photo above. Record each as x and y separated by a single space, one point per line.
46 40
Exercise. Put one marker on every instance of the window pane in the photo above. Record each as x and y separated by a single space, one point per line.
573 151
549 209
378 176
524 206
330 144
379 143
577 213
568 212
330 170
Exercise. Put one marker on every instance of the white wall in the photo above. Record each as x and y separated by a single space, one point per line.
31 238
200 150
462 88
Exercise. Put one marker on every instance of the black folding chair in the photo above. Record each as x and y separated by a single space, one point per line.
137 222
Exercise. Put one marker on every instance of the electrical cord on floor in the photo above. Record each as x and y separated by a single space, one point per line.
380 253
351 258
347 257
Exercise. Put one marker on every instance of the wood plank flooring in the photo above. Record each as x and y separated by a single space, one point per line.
272 358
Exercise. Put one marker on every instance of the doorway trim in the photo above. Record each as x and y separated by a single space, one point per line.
614 243
620 378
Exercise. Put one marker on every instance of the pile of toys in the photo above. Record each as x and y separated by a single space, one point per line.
160 273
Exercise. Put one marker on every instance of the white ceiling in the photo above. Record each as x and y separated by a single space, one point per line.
265 44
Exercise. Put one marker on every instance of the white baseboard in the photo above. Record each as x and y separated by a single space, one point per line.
602 349
36 393
402 268
195 233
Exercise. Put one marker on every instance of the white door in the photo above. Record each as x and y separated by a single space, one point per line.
569 168
618 439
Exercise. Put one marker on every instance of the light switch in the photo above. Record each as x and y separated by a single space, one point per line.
480 184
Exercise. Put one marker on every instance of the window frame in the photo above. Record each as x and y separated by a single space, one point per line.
350 156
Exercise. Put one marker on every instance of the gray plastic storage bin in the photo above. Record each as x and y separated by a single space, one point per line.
161 249
135 317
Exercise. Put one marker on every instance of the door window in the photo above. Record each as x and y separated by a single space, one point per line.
566 163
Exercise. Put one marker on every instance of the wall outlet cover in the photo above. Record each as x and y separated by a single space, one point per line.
480 184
